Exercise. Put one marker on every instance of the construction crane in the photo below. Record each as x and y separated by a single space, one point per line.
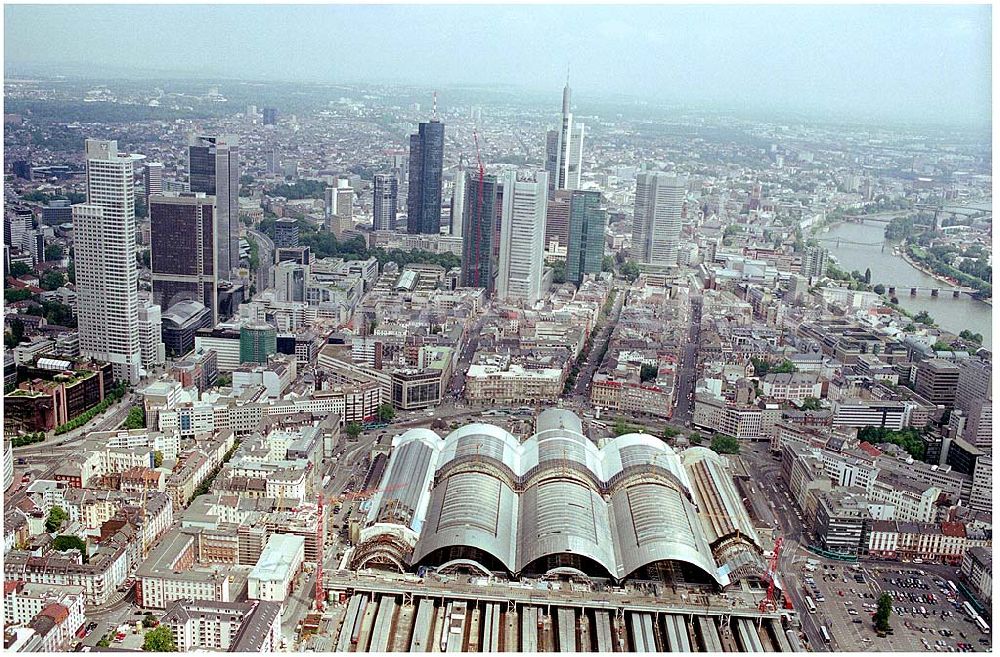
479 208
769 603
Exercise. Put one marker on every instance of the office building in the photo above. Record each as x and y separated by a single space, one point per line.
258 342
288 279
423 200
215 171
57 213
286 232
587 222
384 199
279 564
814 262
564 149
152 180
974 397
656 228
270 116
557 222
480 221
522 238
183 250
181 322
107 277
937 381
21 169
151 335
458 203
338 205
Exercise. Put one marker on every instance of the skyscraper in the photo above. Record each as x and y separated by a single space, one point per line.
153 180
339 206
522 238
564 149
458 203
215 171
286 232
587 222
557 221
423 199
479 224
106 274
183 254
656 229
974 397
384 201
270 116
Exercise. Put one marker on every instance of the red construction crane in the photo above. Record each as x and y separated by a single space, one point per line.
479 208
321 551
769 603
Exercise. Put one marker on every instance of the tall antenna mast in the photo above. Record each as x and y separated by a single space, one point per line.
434 110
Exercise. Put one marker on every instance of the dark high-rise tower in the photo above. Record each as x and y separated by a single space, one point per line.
480 230
385 192
423 199
215 171
182 254
587 221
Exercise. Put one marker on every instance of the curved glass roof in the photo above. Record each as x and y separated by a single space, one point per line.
632 502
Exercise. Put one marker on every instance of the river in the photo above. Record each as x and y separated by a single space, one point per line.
951 314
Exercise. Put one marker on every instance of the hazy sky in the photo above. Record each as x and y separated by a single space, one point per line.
919 61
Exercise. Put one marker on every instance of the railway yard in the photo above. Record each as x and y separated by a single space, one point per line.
370 622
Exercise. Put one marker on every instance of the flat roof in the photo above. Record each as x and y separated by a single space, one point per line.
276 560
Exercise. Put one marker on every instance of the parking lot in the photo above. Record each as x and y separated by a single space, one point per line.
926 616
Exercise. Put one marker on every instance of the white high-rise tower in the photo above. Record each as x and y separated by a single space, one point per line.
564 149
656 229
522 238
106 274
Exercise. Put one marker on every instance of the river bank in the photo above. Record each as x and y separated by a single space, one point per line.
860 248
905 255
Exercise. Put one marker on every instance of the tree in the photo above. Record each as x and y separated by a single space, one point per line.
105 642
12 295
878 289
159 640
696 438
559 272
16 333
57 516
54 251
648 372
149 620
923 317
353 430
19 269
670 432
811 404
883 612
969 336
157 458
136 418
621 427
868 275
386 412
630 271
608 263
723 444
52 280
69 542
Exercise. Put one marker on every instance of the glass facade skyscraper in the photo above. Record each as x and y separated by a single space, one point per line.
423 199
587 222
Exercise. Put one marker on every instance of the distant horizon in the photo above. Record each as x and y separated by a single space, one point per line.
909 64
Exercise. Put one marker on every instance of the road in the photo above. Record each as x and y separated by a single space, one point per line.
265 253
687 373
465 358
107 421
581 390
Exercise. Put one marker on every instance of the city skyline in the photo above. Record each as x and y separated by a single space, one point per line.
909 63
